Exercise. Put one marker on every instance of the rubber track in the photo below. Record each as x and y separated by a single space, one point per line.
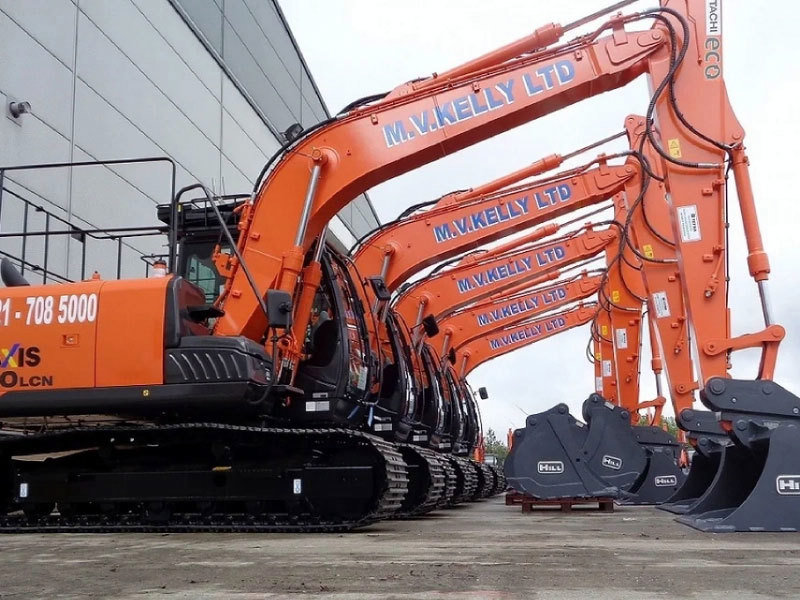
489 482
391 495
436 490
502 484
450 481
484 481
495 482
469 478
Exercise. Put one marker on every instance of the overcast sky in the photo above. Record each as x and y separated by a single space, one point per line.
359 47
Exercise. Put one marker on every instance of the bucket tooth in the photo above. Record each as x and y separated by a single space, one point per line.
662 477
556 456
757 487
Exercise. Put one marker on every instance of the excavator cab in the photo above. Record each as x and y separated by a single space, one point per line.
436 413
199 233
335 374
399 407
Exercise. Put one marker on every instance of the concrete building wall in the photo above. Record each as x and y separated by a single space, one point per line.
142 78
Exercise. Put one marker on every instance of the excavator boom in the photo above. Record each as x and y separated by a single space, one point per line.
329 166
507 340
475 321
485 274
458 224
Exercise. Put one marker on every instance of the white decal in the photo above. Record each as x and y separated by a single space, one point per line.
612 462
362 378
23 490
661 304
666 480
606 368
598 384
550 466
43 310
622 338
713 17
297 485
690 223
788 485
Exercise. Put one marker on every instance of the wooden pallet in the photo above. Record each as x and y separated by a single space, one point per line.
528 503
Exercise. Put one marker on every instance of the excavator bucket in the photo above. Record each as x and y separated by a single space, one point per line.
616 455
757 485
709 441
662 477
556 456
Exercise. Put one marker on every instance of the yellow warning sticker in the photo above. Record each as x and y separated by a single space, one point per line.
674 147
648 250
598 356
615 295
604 330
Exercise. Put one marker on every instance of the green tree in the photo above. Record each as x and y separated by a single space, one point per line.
668 422
495 446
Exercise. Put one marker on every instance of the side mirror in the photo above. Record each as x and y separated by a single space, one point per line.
279 309
484 395
9 274
430 326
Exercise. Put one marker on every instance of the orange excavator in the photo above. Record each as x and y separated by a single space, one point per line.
456 223
461 221
661 448
208 417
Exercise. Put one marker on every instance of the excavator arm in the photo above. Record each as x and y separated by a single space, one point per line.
699 137
463 221
465 325
621 297
655 249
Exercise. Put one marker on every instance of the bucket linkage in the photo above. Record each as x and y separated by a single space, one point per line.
757 484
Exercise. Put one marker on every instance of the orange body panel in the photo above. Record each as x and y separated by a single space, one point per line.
130 333
85 334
